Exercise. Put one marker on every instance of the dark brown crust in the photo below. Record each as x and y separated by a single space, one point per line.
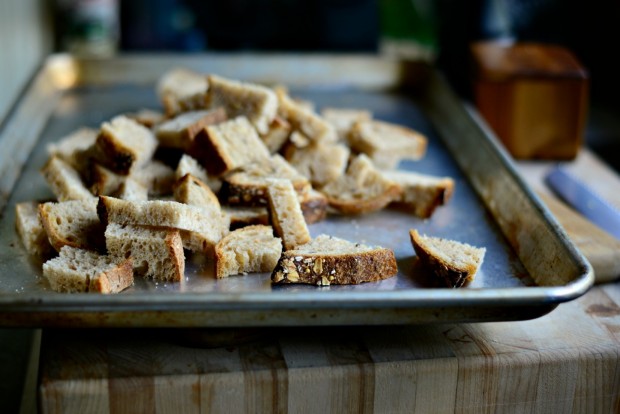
102 210
363 206
343 269
175 249
451 277
426 210
115 280
238 223
314 208
252 195
112 156
207 153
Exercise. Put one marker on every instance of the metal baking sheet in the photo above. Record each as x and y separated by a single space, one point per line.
530 265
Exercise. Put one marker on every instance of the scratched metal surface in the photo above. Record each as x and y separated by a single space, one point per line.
502 279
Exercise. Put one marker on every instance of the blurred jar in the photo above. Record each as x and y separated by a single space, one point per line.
88 27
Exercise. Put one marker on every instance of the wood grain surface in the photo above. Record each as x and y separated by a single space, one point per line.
567 361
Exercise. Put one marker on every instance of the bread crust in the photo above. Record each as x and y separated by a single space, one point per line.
343 269
451 275
114 280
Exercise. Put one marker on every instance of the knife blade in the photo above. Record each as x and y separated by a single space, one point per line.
583 199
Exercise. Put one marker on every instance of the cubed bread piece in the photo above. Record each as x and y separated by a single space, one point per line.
182 90
285 213
387 144
124 144
307 122
247 250
228 145
241 216
31 230
68 148
189 165
248 184
196 223
76 270
320 163
156 176
191 190
103 180
64 180
132 190
455 263
328 260
147 117
276 136
313 206
255 102
72 223
421 194
363 189
157 253
180 131
343 119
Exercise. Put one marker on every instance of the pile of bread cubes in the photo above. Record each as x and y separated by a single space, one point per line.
234 171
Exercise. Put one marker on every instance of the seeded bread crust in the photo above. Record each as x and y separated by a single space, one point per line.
76 270
249 249
72 223
452 273
421 194
345 263
363 189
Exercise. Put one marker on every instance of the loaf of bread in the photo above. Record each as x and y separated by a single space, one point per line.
387 144
246 250
255 102
285 212
72 223
30 229
363 189
76 270
421 194
328 260
453 262
157 253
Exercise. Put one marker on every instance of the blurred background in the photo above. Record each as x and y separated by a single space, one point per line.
437 30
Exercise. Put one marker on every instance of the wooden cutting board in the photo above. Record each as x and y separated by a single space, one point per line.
600 248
